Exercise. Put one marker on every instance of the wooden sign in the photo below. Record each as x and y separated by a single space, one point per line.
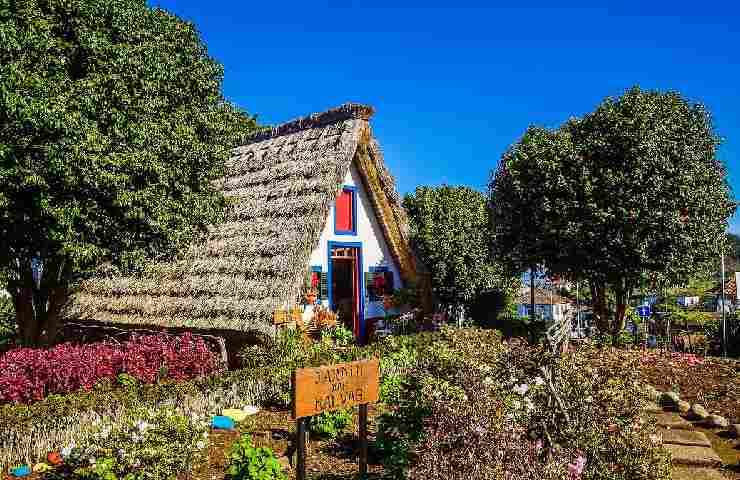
335 386
283 316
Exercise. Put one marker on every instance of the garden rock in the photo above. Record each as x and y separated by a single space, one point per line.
652 393
222 422
735 430
235 414
251 410
672 420
683 406
698 412
717 421
670 399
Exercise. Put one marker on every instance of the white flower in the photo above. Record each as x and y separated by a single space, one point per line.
201 445
488 381
516 404
92 461
137 463
142 425
521 389
538 381
66 451
121 452
205 434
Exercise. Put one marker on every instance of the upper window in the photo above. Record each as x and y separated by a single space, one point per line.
345 212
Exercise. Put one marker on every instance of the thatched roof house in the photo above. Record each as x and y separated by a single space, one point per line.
312 199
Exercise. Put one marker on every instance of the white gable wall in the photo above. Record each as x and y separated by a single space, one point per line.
375 252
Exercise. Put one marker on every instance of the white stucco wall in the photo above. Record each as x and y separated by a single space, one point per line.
375 252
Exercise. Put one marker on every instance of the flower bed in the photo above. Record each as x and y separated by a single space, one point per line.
151 444
28 374
446 397
472 406
710 381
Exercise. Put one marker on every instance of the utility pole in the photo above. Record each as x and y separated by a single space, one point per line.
724 321
578 309
531 295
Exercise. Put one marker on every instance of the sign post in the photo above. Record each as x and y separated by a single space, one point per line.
320 389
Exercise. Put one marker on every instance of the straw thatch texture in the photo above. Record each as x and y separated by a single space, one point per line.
282 186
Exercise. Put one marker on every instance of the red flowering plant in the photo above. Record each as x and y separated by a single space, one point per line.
28 374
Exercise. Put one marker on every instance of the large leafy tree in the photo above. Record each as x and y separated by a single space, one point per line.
450 227
630 192
112 126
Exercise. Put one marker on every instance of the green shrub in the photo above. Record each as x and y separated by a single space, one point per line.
154 445
330 424
7 320
340 335
247 462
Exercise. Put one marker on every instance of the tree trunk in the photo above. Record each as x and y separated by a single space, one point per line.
38 309
24 315
621 293
599 306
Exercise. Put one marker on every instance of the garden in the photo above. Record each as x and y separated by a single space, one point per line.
456 403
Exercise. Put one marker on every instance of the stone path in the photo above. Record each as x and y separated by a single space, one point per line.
692 452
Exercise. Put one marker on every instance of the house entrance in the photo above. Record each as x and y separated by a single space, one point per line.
345 267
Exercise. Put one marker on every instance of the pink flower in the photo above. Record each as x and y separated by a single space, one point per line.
576 469
655 439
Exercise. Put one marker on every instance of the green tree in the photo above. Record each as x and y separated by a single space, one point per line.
450 227
112 127
632 191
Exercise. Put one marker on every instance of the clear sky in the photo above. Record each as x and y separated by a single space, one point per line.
455 83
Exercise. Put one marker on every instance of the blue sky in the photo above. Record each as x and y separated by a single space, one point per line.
454 87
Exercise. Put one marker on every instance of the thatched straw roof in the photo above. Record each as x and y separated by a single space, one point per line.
282 185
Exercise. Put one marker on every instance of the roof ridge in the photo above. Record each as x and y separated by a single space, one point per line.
333 115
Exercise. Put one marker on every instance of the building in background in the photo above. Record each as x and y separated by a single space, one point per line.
548 305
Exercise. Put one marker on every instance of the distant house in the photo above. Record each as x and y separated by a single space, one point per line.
314 208
688 300
713 297
548 305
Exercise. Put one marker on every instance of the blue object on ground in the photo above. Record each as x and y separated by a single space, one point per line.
222 422
21 471
652 341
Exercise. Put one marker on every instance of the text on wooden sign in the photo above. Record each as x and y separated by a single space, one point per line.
335 386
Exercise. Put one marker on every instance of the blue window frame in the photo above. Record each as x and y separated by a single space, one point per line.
372 294
353 190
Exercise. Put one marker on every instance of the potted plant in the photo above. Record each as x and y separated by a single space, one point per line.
310 297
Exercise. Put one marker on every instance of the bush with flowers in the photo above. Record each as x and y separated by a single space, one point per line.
151 445
29 374
475 407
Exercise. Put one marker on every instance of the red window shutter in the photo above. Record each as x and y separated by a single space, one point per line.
388 277
343 215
